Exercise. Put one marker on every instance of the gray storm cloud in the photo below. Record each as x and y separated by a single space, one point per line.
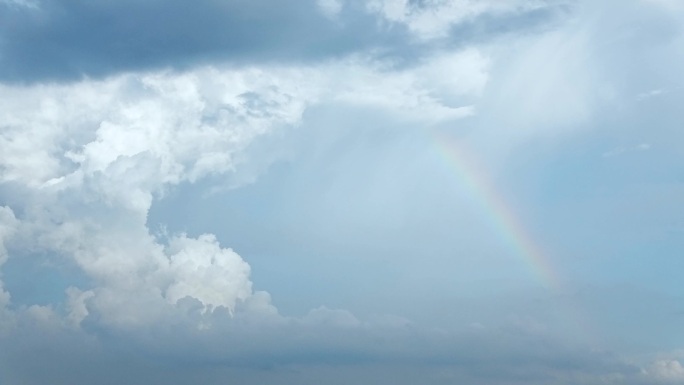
106 37
83 162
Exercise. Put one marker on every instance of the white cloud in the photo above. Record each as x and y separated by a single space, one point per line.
434 18
330 8
90 157
203 270
32 4
77 310
641 147
549 81
8 225
666 371
442 88
650 94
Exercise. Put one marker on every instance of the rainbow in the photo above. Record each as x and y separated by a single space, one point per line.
474 181
483 193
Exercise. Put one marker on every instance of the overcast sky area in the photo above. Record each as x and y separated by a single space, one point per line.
481 192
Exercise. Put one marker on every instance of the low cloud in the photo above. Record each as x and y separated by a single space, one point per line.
294 350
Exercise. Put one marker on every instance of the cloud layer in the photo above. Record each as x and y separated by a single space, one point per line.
44 40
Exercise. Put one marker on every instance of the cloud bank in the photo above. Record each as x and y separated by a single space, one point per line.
43 40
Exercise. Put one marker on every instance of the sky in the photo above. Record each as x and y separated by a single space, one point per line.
485 192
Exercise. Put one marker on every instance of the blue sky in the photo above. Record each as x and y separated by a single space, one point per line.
224 191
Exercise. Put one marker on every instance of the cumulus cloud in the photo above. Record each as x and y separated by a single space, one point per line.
666 371
330 8
83 162
206 272
8 224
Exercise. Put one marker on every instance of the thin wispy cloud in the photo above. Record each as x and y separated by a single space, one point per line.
650 94
622 150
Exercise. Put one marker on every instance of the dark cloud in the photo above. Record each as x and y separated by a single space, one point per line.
66 39
293 351
61 40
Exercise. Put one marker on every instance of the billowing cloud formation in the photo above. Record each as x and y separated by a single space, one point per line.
84 162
